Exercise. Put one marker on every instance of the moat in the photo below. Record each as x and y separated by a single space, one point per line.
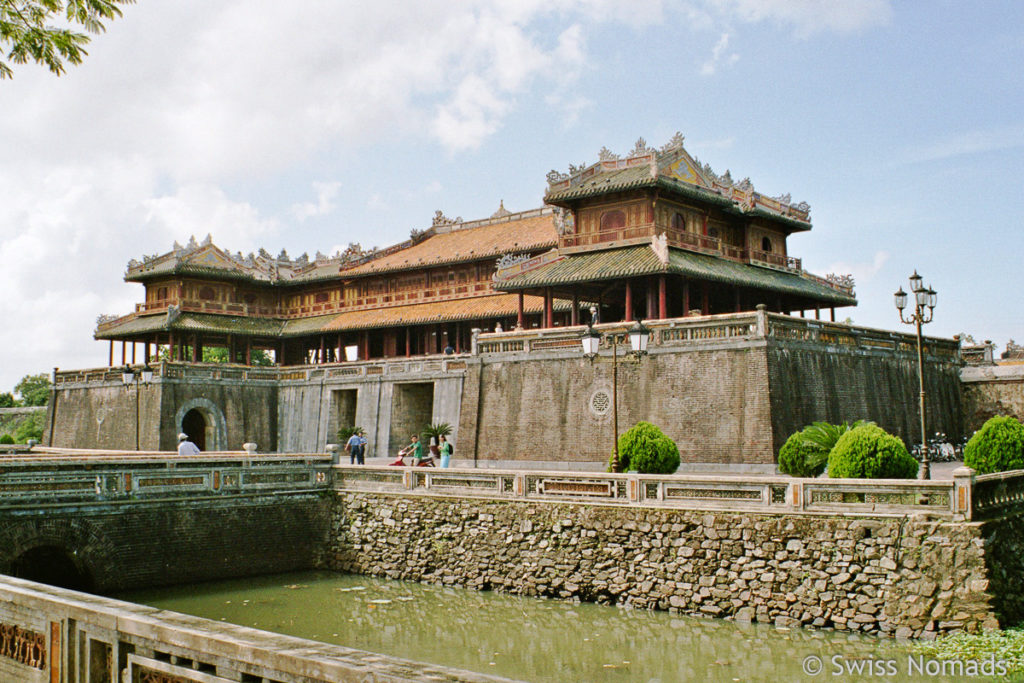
524 638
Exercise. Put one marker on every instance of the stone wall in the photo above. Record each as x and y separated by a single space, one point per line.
990 391
124 546
836 383
713 402
905 576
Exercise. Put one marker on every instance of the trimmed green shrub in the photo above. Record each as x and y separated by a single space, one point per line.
6 438
869 452
647 450
997 447
800 458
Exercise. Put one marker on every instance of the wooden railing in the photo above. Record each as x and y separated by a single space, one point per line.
952 499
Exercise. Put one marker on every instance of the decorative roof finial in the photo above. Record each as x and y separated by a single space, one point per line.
675 142
502 211
607 155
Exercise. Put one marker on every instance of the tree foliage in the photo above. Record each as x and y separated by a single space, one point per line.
647 450
7 400
34 390
30 428
869 452
29 30
997 447
6 439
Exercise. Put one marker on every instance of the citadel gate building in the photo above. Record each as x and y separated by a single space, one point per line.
476 323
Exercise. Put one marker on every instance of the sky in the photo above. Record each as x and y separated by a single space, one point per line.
309 125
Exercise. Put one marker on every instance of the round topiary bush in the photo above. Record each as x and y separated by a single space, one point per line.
799 458
6 438
869 452
647 450
997 447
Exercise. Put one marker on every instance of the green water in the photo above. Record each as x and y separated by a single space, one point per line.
528 638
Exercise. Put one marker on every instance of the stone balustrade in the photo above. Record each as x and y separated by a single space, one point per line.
61 635
693 331
64 476
965 497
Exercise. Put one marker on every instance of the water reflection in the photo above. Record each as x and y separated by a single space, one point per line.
526 638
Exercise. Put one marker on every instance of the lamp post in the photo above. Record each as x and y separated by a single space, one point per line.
639 335
129 377
924 298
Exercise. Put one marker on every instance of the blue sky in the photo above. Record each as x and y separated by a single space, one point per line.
308 126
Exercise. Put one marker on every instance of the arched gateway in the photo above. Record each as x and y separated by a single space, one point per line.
204 423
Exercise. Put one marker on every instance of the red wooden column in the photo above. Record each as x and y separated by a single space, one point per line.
549 315
195 350
705 304
650 306
134 345
323 350
145 353
832 311
662 298
366 345
340 351
817 312
519 312
124 352
739 303
686 298
629 301
574 315
110 359
408 341
248 351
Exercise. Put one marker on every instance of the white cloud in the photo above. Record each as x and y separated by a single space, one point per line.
969 142
326 193
807 17
862 272
720 56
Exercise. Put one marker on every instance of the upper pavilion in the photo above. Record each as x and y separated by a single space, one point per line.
654 234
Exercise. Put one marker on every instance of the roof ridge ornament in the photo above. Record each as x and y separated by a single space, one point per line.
607 155
640 148
674 143
502 211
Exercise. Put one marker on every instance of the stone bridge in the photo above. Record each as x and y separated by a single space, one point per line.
107 521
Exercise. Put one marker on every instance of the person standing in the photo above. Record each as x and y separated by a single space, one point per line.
446 451
186 447
362 448
355 449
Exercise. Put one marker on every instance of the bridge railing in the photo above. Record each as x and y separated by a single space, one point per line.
31 479
53 634
964 497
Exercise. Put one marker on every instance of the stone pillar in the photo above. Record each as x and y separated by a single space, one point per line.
762 320
474 341
963 489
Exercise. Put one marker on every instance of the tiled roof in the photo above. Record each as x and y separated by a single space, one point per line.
467 244
193 322
633 261
472 308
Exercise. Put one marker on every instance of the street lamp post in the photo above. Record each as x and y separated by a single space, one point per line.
639 335
129 377
924 298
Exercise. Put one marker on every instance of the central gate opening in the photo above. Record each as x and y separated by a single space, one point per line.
412 408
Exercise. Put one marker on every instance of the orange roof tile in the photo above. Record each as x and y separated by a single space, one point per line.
468 244
490 306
